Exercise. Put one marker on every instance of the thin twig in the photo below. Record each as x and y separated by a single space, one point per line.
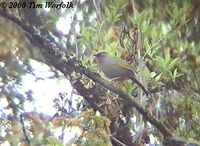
97 9
24 130
116 140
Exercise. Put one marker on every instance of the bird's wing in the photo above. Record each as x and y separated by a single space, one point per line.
121 63
124 66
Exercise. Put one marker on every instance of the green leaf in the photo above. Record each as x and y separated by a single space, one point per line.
158 77
152 74
52 141
172 63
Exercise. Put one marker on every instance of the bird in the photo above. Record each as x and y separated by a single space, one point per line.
117 69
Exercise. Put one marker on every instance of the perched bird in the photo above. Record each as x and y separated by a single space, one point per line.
116 69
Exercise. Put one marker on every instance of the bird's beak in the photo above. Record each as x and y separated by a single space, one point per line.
94 53
100 53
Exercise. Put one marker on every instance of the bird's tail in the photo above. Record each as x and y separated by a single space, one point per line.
140 85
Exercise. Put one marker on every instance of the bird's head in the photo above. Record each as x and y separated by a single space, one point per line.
100 54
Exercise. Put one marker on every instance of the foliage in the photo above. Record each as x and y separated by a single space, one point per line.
164 40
